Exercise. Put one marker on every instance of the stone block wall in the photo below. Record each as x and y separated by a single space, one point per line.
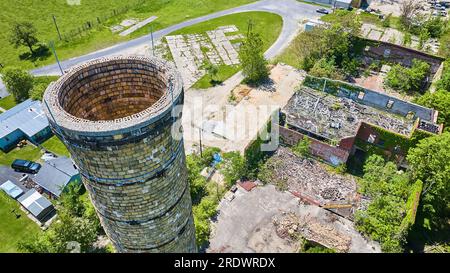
115 117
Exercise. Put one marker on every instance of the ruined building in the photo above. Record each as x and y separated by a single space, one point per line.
115 117
344 120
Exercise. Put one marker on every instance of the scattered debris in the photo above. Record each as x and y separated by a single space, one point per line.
290 226
311 179
190 51
312 110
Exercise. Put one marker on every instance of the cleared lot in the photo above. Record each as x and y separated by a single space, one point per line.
246 224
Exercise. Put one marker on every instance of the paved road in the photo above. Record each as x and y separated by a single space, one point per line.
291 11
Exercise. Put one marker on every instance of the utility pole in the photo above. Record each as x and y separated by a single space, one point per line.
52 46
249 26
56 25
153 44
200 136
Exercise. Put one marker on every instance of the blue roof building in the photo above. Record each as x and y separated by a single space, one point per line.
24 121
55 174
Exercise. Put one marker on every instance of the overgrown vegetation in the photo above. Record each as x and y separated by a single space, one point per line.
302 147
408 80
251 57
328 51
389 190
440 101
429 162
76 222
22 85
207 194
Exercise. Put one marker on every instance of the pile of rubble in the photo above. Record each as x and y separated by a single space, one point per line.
311 178
290 226
335 117
326 235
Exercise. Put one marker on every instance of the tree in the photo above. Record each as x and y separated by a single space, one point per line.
23 34
330 50
60 235
37 92
202 214
435 26
18 82
211 69
388 190
326 69
444 82
424 35
429 162
70 200
251 56
408 9
408 79
233 167
440 101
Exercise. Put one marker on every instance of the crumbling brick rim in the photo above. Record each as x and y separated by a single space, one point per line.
56 113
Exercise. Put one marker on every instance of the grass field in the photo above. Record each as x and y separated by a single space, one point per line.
55 145
268 25
12 229
7 102
28 152
72 17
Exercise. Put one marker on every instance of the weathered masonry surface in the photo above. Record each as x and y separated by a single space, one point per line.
119 118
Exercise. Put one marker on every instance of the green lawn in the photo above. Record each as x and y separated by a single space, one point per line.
55 145
225 71
268 25
12 229
28 152
7 102
72 17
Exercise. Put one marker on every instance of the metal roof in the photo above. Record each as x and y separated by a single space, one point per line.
26 116
11 189
55 174
34 202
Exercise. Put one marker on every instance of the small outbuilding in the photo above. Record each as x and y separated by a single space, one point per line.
37 205
11 189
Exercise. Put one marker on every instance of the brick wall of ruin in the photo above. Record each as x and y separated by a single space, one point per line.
331 154
115 117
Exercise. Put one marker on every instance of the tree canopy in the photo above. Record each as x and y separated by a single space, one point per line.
430 162
388 190
440 101
330 51
408 79
18 82
251 56
23 34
